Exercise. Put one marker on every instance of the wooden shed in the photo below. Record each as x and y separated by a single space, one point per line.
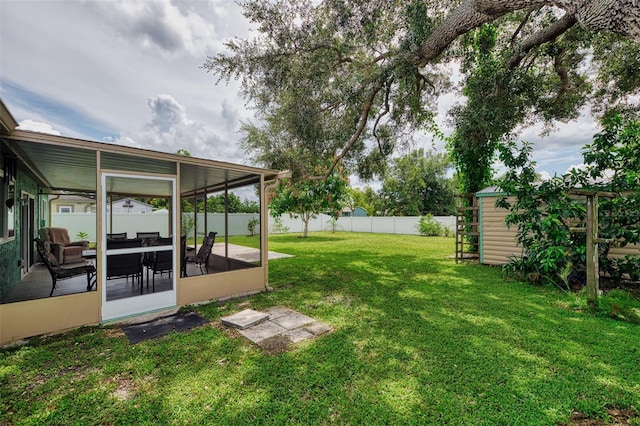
497 242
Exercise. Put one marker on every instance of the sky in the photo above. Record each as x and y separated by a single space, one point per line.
130 72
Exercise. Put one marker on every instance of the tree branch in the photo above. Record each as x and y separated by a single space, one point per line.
468 15
362 123
386 110
547 34
618 16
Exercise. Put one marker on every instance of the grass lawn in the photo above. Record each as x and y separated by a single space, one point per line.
417 339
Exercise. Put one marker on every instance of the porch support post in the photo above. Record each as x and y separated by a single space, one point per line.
226 219
195 220
264 231
206 222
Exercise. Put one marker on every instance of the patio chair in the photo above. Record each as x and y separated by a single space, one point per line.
202 257
117 236
57 242
58 273
125 265
183 255
161 261
148 239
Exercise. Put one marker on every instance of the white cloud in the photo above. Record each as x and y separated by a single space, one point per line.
171 129
38 126
172 29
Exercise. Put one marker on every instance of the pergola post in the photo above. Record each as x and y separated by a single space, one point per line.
592 241
592 250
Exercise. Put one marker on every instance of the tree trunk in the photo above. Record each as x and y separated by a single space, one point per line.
305 219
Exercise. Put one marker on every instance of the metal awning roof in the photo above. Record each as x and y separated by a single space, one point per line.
71 165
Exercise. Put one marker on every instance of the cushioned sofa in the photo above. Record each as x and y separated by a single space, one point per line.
57 241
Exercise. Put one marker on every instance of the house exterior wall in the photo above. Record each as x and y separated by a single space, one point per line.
10 251
129 206
222 285
55 314
77 206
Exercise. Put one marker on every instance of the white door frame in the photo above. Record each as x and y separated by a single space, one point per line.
145 302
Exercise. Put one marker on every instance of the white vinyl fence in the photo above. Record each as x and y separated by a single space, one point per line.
238 224
407 225
145 222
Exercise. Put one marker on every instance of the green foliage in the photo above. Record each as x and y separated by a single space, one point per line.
367 199
216 204
500 94
278 227
314 68
429 227
332 225
307 198
416 184
251 225
352 80
544 212
188 224
82 235
621 305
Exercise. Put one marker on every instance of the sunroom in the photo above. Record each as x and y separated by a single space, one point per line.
124 262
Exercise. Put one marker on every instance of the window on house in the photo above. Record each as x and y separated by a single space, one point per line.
65 209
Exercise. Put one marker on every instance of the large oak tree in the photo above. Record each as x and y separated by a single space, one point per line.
353 79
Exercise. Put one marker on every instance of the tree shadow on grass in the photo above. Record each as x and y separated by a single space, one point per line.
417 340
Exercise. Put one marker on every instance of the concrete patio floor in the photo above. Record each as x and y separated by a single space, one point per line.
246 254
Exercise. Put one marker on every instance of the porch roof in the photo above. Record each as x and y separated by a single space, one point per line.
67 164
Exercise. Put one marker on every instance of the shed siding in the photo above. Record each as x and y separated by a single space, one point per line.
498 242
621 252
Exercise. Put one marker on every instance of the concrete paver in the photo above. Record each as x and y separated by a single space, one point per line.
292 321
318 328
244 319
277 322
262 331
297 335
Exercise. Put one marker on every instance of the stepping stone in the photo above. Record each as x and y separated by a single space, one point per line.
297 335
244 319
262 331
293 320
318 328
279 311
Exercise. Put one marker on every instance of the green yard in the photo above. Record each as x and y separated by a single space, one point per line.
417 340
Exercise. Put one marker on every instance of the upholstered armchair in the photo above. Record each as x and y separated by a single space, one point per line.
57 241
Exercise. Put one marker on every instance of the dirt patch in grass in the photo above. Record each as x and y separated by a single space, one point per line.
617 417
114 332
275 345
125 387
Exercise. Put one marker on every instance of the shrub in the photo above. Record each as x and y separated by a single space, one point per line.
251 225
545 214
429 227
279 227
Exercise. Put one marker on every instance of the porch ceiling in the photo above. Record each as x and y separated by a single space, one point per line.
69 168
